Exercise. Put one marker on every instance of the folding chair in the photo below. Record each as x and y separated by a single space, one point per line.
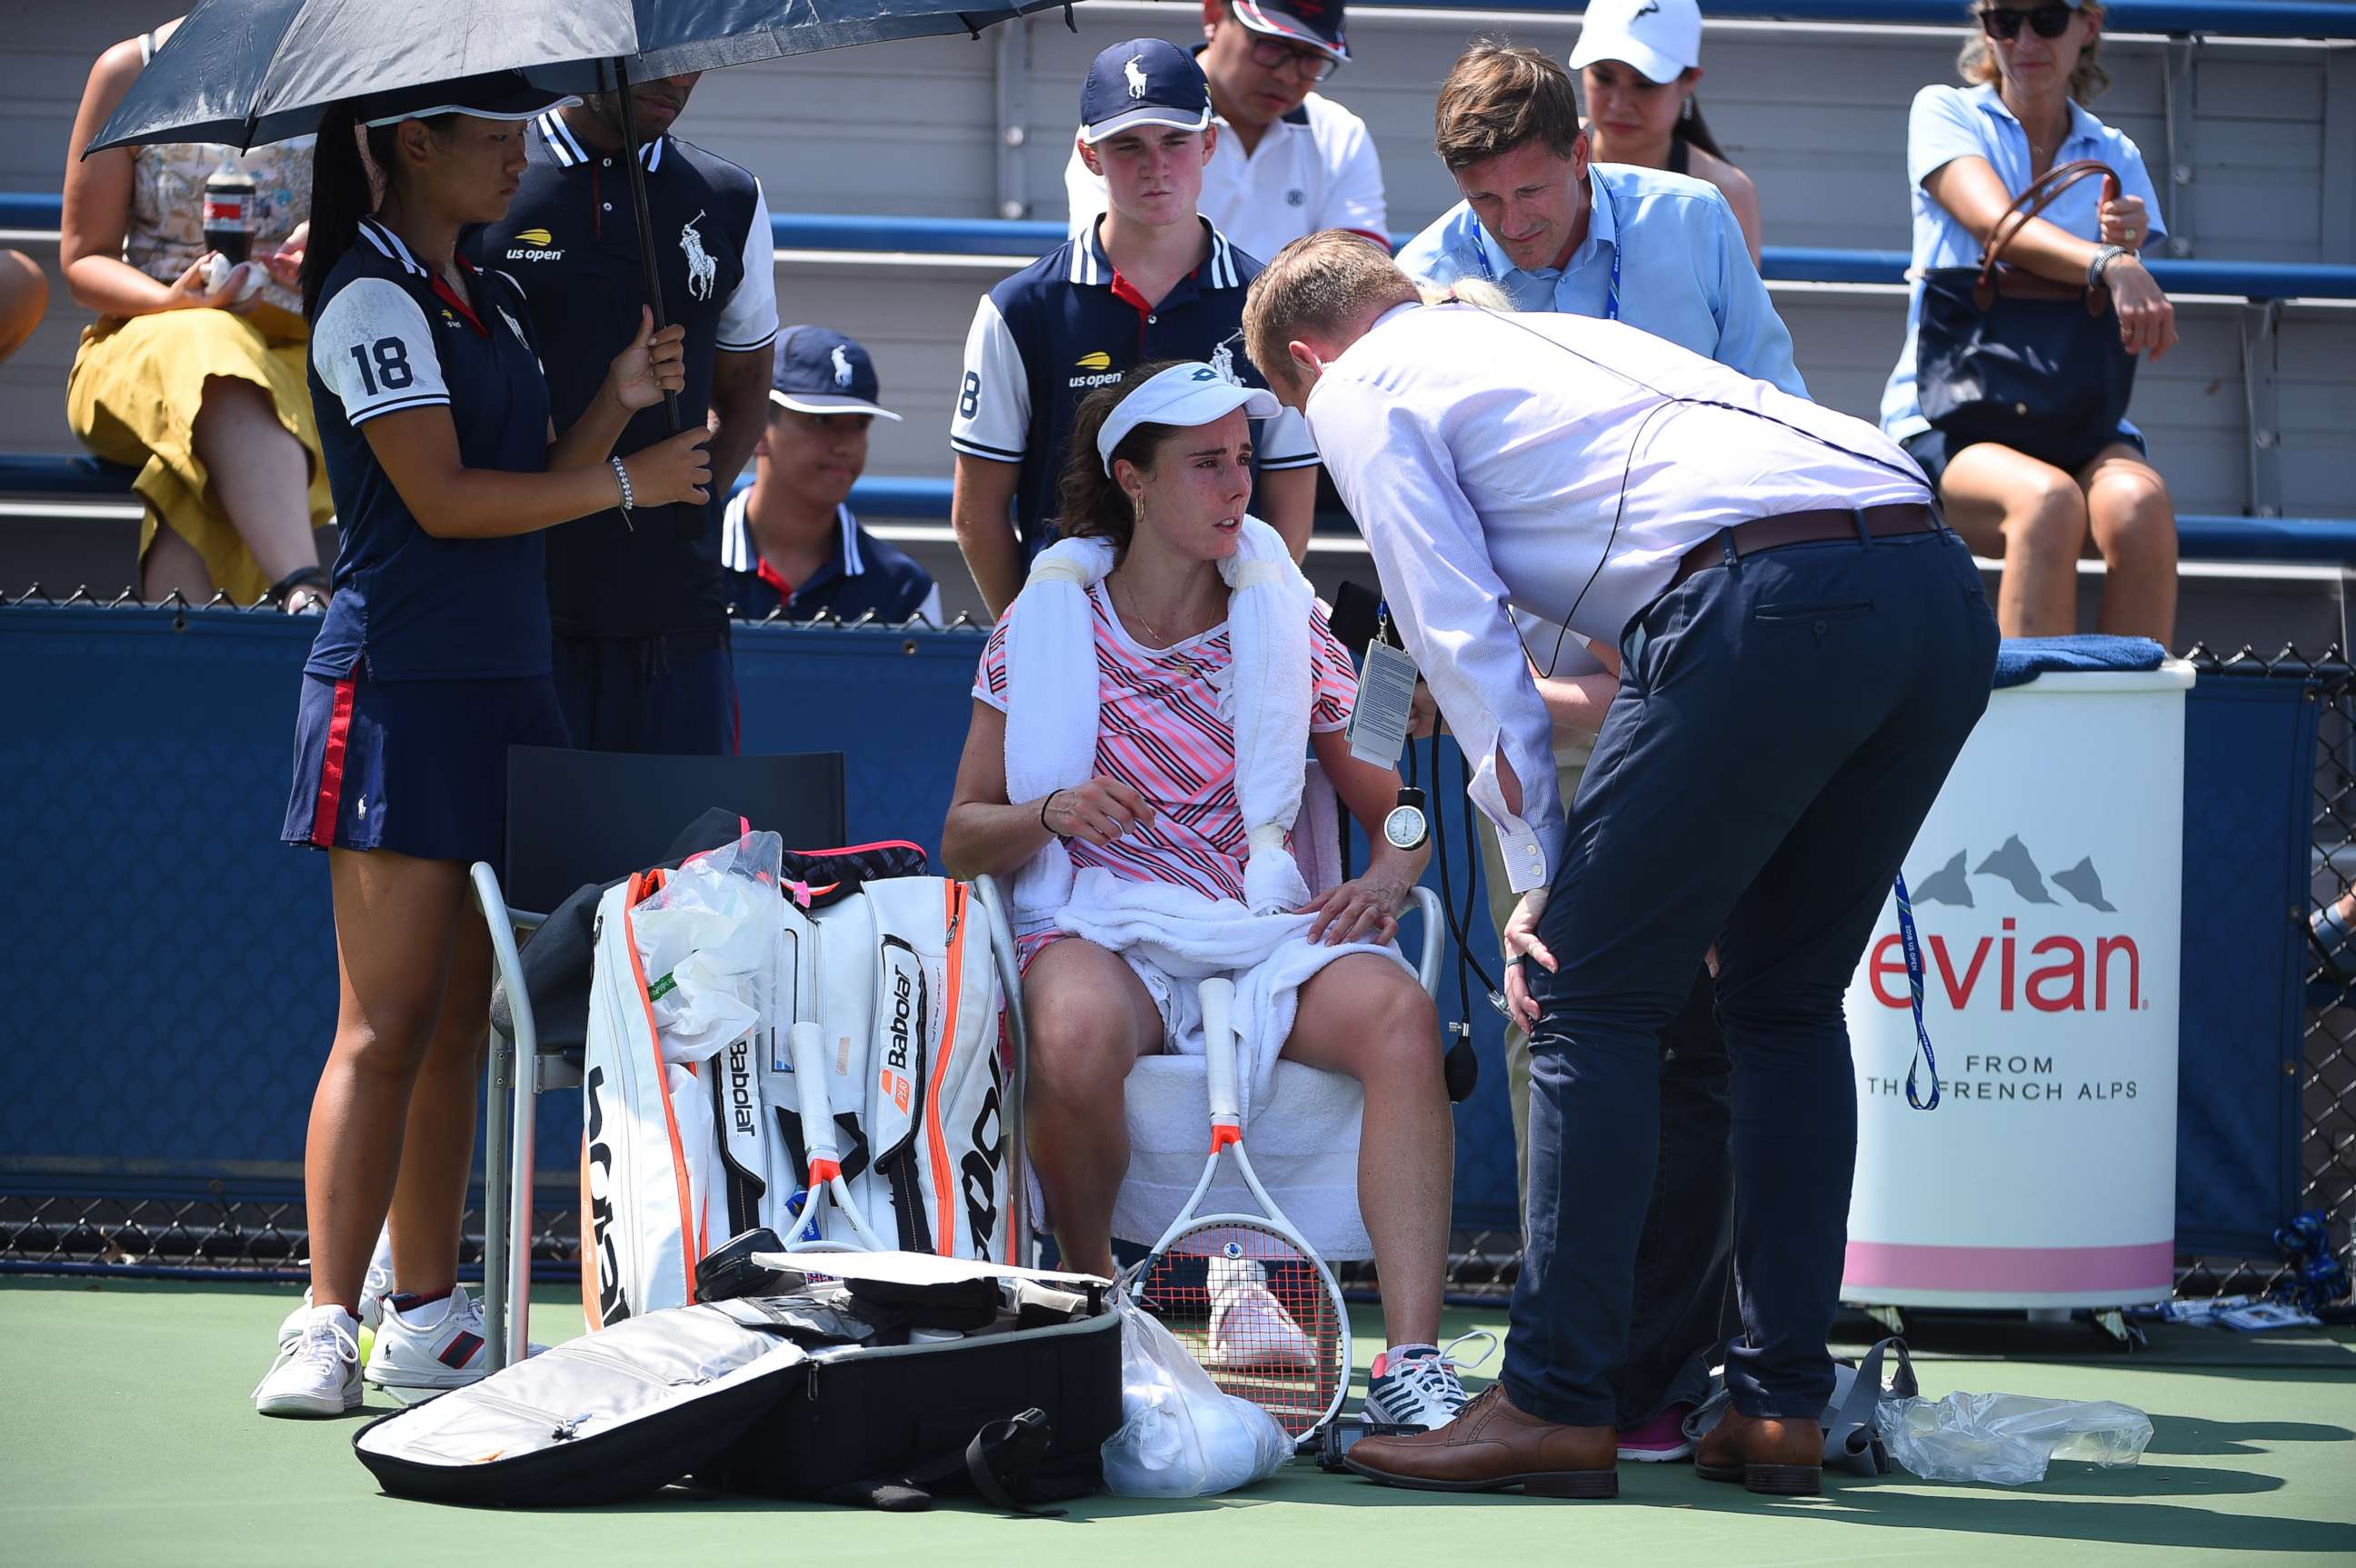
583 817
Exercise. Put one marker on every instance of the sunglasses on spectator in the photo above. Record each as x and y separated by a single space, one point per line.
1274 54
2050 21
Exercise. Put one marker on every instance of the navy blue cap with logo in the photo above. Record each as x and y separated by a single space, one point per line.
1145 81
1316 23
818 371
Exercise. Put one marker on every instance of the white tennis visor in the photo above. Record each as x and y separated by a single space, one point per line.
1186 395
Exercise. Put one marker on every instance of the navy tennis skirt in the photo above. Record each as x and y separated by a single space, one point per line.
419 768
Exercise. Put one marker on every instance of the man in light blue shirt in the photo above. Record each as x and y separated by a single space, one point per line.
1558 232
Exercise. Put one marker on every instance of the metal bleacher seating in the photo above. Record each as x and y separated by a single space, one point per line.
951 152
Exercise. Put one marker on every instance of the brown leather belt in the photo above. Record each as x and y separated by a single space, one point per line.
1803 528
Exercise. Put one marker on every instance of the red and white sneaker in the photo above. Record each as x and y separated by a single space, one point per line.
431 1349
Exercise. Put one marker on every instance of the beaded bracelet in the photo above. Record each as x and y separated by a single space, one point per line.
622 474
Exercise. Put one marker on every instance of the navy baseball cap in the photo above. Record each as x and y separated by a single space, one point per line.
820 370
1145 81
1317 22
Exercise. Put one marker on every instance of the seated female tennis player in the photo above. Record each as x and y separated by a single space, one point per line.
1129 787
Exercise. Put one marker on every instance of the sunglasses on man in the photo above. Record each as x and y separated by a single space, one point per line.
1274 54
2049 21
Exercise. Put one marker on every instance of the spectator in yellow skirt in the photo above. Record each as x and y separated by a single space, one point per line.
196 382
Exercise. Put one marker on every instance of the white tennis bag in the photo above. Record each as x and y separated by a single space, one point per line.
831 1073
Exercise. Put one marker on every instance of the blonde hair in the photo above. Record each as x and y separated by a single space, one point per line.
1322 283
1977 62
1499 95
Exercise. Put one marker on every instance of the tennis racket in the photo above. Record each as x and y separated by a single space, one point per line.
1244 1292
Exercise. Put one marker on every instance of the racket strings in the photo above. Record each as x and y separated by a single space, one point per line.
1257 1312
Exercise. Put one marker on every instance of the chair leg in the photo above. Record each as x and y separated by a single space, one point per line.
522 1144
498 1157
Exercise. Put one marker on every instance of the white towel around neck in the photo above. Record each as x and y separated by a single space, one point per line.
1053 704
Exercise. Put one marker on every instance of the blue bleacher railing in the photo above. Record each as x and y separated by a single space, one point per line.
37 212
912 499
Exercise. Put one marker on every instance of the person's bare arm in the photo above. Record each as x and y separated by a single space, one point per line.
97 211
652 364
1287 501
418 449
985 533
1972 191
740 411
1366 907
987 835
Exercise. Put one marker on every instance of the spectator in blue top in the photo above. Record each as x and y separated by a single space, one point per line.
432 660
1559 231
1969 152
787 541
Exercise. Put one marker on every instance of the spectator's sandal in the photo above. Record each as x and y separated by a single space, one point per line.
302 592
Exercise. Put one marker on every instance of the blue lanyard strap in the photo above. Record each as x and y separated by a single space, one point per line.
1913 947
1611 292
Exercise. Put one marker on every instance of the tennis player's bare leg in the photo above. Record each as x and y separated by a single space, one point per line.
1366 1016
2133 522
396 922
2032 517
438 1146
1089 1019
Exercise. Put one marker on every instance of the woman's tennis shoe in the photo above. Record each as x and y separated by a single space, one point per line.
428 1349
319 1369
1250 1327
1415 1387
374 1289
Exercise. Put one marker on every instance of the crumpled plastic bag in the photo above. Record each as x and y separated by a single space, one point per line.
1179 1436
705 939
2008 1439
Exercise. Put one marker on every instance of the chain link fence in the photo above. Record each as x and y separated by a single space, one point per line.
250 1225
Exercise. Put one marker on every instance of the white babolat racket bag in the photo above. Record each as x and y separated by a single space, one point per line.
846 1090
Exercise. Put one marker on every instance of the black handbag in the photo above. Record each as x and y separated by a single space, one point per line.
2003 355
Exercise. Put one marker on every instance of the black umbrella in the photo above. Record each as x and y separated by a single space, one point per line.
250 72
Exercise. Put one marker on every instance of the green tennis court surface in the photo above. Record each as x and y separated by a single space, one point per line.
126 1436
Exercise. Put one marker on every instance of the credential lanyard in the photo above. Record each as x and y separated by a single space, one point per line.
1913 947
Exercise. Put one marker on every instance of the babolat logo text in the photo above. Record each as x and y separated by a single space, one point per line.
613 1304
740 1089
904 1001
978 1169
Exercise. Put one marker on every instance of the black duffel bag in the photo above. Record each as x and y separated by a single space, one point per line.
2003 355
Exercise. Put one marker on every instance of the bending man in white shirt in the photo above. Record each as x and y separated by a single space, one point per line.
1801 648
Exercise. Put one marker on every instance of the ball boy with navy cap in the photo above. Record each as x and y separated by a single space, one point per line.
1151 280
787 541
1288 161
640 612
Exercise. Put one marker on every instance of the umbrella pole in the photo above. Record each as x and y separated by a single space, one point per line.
685 519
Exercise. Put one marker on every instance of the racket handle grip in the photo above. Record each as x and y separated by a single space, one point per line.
1217 996
808 1043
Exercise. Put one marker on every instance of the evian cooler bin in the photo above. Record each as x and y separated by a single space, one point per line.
2046 885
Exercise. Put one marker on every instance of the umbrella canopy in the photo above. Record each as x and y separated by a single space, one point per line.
250 72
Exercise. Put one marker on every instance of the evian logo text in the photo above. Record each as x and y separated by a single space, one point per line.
2049 972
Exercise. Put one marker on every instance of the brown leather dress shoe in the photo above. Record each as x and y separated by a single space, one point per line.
1782 1459
1491 1445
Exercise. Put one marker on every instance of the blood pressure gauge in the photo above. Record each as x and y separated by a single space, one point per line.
1404 828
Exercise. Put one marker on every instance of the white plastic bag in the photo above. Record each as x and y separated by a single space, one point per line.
2007 1440
705 939
1179 1436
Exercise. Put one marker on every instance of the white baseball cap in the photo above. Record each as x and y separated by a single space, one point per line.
1661 39
1188 394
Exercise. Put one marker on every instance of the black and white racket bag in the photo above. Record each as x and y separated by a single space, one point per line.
864 1106
915 1377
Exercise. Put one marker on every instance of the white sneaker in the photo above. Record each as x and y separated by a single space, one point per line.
427 1349
373 1291
1419 1388
318 1369
1250 1327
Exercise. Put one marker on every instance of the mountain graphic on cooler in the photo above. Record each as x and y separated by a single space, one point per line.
2013 865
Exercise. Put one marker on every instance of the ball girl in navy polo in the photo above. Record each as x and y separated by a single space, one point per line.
432 659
